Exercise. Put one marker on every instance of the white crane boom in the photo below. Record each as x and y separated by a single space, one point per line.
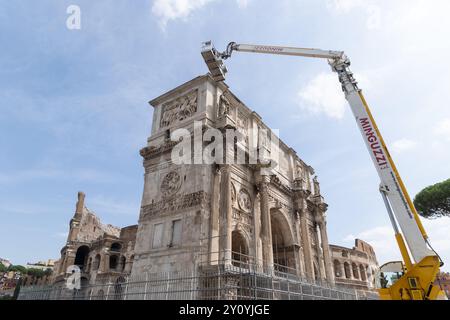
289 51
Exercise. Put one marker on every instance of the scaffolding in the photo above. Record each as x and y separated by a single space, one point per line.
240 280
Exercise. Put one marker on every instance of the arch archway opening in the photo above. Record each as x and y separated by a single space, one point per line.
81 257
282 244
239 250
347 270
337 269
113 262
89 265
122 264
362 272
316 272
116 247
118 288
355 271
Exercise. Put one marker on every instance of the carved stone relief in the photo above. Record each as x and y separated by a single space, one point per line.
263 139
171 205
224 106
298 172
179 109
243 220
171 184
233 194
242 123
244 200
316 186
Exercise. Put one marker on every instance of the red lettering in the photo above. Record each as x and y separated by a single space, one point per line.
373 141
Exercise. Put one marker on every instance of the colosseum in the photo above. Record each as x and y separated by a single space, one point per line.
356 267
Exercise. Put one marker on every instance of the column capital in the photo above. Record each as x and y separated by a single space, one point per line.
223 168
319 220
323 207
217 168
302 194
261 180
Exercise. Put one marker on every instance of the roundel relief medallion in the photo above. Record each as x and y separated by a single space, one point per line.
171 184
245 203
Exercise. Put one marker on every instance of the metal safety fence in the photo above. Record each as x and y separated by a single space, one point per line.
220 282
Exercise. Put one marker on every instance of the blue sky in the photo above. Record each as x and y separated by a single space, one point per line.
74 110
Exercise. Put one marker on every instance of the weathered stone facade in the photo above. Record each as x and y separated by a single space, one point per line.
357 267
232 214
102 252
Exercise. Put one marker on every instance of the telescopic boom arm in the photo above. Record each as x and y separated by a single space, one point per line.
401 210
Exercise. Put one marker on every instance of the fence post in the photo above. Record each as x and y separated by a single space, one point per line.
192 283
146 284
219 283
167 285
289 289
255 284
107 291
125 296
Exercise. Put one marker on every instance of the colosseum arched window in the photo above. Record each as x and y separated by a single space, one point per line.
347 270
355 271
96 265
337 268
362 271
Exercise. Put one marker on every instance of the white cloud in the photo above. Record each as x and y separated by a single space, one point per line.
373 17
323 95
39 174
443 128
166 10
373 12
403 145
383 241
242 3
104 205
343 6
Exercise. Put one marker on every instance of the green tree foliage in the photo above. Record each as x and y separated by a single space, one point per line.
48 272
434 201
3 268
38 273
18 268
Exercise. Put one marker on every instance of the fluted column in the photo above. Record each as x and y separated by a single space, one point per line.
225 215
319 252
326 252
300 261
266 235
257 228
303 211
214 218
